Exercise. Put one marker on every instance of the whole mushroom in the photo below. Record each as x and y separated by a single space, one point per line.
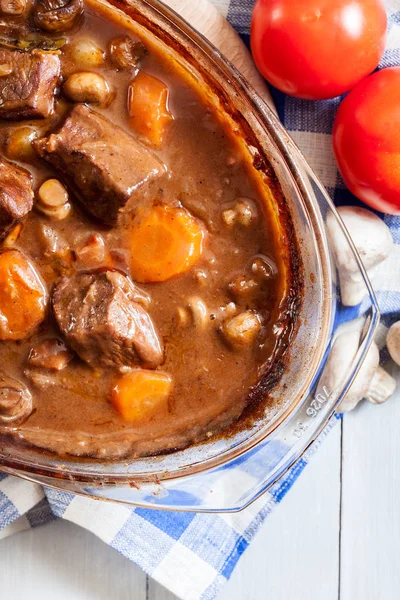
86 86
126 53
373 241
393 342
58 15
372 382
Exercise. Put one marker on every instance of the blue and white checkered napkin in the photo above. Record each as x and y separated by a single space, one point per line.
193 555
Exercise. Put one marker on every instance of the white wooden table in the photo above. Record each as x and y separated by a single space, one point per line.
335 535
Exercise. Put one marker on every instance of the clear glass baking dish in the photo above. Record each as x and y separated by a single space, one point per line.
227 474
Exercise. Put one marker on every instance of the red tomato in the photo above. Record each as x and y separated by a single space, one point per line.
317 48
366 140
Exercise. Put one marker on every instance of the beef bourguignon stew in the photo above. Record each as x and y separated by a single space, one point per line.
148 291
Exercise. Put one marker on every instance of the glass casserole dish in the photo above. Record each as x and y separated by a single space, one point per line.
228 473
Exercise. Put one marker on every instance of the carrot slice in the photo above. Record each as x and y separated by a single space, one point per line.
165 243
140 393
22 296
148 108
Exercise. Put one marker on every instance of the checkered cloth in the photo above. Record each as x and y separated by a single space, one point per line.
193 555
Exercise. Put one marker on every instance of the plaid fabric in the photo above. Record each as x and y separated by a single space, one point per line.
193 555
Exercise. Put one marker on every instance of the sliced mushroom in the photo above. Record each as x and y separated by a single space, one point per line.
199 312
229 217
58 214
201 277
58 15
52 194
242 329
243 286
195 313
226 311
15 401
53 200
244 213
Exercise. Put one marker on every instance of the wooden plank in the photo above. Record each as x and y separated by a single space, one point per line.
64 561
370 541
295 554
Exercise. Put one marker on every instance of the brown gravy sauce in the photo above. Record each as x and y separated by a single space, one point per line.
213 384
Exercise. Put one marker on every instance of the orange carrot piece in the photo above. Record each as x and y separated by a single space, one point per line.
140 393
23 297
165 243
148 108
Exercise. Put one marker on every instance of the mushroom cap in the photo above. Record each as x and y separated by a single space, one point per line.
371 236
373 241
393 342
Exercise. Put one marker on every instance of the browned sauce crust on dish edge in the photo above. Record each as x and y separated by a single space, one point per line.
150 279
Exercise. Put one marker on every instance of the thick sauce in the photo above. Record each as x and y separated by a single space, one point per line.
240 270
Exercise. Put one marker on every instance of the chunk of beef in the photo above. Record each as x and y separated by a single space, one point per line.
102 164
50 354
16 195
27 91
103 322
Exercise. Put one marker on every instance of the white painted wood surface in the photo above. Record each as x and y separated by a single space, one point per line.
335 535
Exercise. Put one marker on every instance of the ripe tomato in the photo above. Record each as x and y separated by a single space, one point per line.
366 140
317 48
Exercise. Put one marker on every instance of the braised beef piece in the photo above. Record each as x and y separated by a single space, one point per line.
50 354
102 321
16 195
102 164
27 92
